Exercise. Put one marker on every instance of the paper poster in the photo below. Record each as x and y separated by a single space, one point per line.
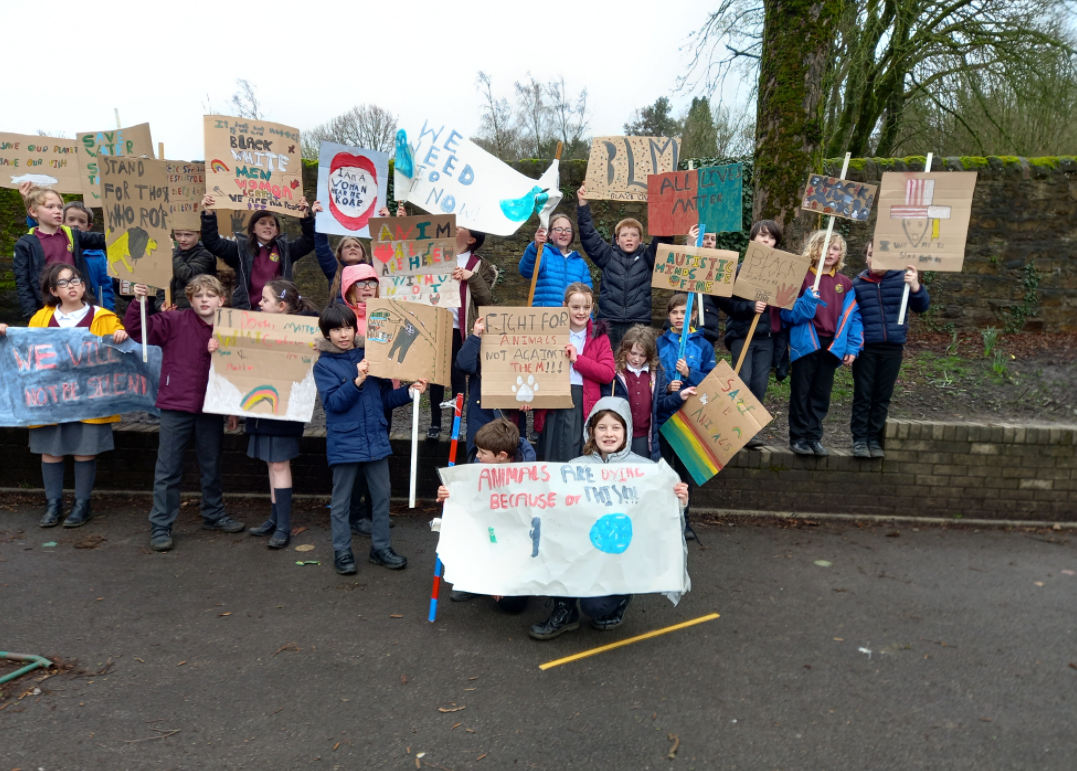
715 424
415 258
450 174
44 161
65 375
133 142
138 226
253 164
353 184
694 269
409 341
563 530
618 167
186 187
838 197
709 197
923 220
264 367
523 358
771 275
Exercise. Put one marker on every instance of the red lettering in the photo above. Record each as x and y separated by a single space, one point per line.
118 383
71 391
43 353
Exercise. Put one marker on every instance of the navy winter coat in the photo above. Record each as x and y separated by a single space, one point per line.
663 404
556 272
29 264
880 303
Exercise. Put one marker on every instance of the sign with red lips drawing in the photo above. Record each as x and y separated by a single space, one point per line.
353 183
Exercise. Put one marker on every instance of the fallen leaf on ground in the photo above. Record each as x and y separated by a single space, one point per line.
470 730
473 678
335 746
454 709
90 542
1038 583
297 530
288 647
305 547
839 639
418 763
1069 573
1072 665
895 534
483 755
395 615
676 743
138 659
985 720
229 613
404 679
181 663
823 563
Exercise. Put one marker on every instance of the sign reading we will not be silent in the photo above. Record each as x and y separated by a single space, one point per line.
694 269
415 257
135 201
253 164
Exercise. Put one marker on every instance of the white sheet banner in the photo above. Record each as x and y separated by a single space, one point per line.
563 529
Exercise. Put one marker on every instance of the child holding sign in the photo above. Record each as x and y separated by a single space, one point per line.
189 259
349 251
642 381
85 440
560 266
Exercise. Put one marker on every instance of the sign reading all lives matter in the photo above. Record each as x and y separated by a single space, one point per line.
710 197
44 161
771 275
133 142
618 167
137 212
694 269
415 258
923 220
523 358
253 164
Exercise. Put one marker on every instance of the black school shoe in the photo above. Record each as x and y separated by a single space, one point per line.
279 540
225 524
614 619
433 433
876 449
161 540
818 449
565 618
801 448
860 450
362 527
53 509
266 528
388 558
344 562
80 513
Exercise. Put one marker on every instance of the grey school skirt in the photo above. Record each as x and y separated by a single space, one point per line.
71 439
273 449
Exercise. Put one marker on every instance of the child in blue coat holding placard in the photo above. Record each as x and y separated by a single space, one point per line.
561 264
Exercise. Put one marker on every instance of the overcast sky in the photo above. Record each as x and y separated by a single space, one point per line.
160 62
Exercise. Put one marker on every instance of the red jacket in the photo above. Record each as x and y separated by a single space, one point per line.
595 363
184 340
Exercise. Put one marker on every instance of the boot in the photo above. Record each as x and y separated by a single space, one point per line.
267 527
344 562
565 618
53 509
283 532
80 513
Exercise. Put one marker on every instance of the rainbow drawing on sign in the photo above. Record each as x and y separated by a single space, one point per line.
263 393
217 166
692 449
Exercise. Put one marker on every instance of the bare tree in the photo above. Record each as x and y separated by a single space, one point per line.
498 134
365 125
570 119
533 117
245 101
50 133
734 129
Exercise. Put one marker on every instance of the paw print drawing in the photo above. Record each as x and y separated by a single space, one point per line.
525 392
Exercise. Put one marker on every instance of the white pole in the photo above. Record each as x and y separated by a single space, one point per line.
829 232
414 446
145 332
699 242
905 294
118 117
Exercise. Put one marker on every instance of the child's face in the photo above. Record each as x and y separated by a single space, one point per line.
579 311
765 238
487 456
51 212
351 253
187 239
609 434
833 255
676 318
78 220
68 289
636 357
710 240
265 229
343 337
206 303
270 303
361 291
561 232
867 258
463 240
629 239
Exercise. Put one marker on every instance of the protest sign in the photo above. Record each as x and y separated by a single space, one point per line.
771 275
923 220
450 174
132 142
186 188
838 197
353 184
45 161
680 199
715 424
694 269
618 167
563 530
135 202
65 375
409 341
720 196
523 358
415 258
253 164
264 367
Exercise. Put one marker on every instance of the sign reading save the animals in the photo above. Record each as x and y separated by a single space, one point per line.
708 197
560 529
45 161
66 375
136 204
264 367
133 142
409 341
618 167
694 269
771 275
415 258
253 164
523 358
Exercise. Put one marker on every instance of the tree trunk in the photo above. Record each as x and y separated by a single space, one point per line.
797 39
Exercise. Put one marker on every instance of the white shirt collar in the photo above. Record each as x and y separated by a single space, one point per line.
634 371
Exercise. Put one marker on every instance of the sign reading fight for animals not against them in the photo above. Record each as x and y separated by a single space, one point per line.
415 258
523 358
710 197
253 164
409 341
618 167
771 275
694 269
562 529
45 161
133 142
353 183
137 212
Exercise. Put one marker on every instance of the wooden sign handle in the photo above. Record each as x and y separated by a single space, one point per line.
538 249
747 342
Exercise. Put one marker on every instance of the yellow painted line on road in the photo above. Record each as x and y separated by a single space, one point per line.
629 641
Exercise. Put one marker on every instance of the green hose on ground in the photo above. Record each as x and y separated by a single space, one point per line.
36 661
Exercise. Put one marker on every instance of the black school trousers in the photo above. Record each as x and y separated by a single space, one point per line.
811 381
875 372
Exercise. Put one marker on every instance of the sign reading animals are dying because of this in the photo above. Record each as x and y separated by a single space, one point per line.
353 183
838 197
44 161
771 275
186 188
133 142
715 424
138 226
415 258
409 341
618 167
710 197
560 529
253 164
523 358
264 367
694 269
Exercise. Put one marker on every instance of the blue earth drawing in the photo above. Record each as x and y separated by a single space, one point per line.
612 533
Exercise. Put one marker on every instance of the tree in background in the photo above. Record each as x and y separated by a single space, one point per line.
498 135
569 119
700 136
656 120
533 119
245 101
541 116
734 130
365 125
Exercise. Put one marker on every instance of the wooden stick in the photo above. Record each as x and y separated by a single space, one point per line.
117 109
538 250
629 641
829 232
747 342
905 294
160 151
168 296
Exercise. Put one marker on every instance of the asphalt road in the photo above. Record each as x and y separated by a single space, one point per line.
937 649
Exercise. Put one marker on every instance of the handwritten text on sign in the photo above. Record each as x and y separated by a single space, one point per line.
618 167
923 220
771 275
694 269
415 258
135 200
253 164
186 188
133 142
523 358
710 196
41 160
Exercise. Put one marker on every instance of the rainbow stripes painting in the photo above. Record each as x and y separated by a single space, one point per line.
693 449
263 393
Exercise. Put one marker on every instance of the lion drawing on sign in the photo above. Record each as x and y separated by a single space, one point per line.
135 243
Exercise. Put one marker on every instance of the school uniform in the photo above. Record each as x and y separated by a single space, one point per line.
37 250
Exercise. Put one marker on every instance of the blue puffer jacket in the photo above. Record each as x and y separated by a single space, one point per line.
880 303
663 404
100 280
803 339
698 353
556 272
357 430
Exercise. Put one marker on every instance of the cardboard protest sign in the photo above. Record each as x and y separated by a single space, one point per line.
771 275
694 269
680 199
523 358
186 188
838 197
450 174
408 341
715 424
618 167
45 161
353 184
253 164
63 375
138 229
264 367
133 142
563 530
923 220
415 258
720 198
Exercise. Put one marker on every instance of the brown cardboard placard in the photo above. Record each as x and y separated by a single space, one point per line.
771 275
186 187
131 142
923 220
694 269
253 164
618 167
415 258
45 161
137 218
838 197
408 341
523 358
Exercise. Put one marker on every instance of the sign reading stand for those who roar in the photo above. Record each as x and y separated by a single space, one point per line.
694 269
253 164
44 161
618 167
137 213
409 341
415 258
133 142
523 358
